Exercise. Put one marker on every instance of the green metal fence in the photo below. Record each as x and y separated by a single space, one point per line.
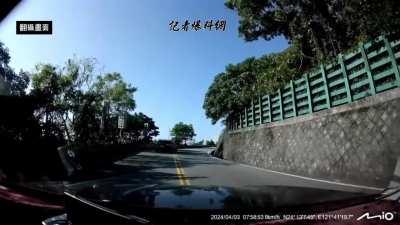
371 69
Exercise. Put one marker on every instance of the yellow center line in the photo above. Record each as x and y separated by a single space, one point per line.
183 180
178 172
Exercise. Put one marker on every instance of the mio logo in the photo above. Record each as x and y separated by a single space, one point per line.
383 216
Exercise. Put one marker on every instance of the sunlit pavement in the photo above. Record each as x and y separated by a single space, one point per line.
187 168
196 167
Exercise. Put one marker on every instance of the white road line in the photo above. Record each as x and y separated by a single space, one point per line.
306 178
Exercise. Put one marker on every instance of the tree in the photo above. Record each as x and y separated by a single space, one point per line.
322 28
210 143
11 82
182 132
75 106
230 90
66 90
141 128
116 92
86 122
116 100
199 143
316 30
239 84
3 88
46 86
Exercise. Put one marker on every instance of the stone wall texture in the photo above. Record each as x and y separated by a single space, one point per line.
356 143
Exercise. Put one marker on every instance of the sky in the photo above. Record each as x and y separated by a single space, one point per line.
172 70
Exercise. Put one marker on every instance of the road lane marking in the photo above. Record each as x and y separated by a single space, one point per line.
301 177
183 180
178 173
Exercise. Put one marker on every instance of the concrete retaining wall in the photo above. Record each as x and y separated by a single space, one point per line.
356 143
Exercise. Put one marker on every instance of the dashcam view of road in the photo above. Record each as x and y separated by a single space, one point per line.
229 112
195 167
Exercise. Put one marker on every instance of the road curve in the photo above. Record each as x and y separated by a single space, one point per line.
196 167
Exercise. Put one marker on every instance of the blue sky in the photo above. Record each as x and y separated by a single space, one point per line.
172 70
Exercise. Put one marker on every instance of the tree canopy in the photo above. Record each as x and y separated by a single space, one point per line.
322 28
116 92
11 82
72 104
79 108
77 104
210 143
182 132
317 31
234 88
141 127
66 92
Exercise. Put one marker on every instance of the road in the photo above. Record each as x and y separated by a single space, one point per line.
194 167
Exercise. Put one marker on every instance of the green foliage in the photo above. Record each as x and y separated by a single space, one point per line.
182 132
66 94
322 28
317 31
65 106
141 128
205 143
116 92
199 143
234 88
84 110
210 143
11 82
85 122
231 89
275 70
4 88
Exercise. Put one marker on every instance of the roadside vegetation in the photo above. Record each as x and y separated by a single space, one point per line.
317 31
205 143
82 107
74 105
181 133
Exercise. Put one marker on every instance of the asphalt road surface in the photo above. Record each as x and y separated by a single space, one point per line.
187 167
196 167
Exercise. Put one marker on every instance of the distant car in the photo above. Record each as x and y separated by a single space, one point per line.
167 146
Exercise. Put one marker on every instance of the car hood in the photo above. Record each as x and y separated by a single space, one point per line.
123 195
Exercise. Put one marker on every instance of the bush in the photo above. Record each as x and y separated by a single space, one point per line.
240 83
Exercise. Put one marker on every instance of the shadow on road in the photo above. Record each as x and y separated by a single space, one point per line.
150 160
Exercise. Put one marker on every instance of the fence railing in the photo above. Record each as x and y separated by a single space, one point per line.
370 69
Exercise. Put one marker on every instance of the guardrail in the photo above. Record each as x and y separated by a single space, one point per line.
370 69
